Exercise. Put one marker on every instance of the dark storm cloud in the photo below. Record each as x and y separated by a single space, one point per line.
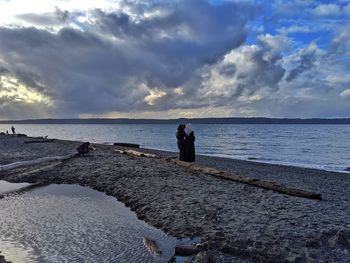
188 36
113 64
228 69
3 70
306 62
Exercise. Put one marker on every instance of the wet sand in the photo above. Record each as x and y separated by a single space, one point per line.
240 222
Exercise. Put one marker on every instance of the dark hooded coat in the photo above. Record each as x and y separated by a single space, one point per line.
180 136
190 152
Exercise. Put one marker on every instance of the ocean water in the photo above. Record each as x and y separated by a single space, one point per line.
317 146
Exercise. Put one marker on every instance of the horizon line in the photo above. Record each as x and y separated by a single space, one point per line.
210 120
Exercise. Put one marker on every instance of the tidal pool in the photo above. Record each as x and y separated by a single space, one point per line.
6 187
70 223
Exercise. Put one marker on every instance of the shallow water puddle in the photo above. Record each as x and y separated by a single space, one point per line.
70 223
6 187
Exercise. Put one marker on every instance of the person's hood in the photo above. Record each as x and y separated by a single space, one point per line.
188 129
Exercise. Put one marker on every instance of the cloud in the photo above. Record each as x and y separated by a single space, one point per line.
57 18
340 44
133 59
345 93
35 19
347 9
61 15
177 58
304 60
294 29
327 10
247 74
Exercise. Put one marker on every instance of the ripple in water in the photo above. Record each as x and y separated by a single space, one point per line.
70 223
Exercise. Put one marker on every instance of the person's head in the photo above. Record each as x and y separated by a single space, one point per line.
188 128
181 127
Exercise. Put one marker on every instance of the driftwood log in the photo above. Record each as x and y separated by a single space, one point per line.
82 149
136 153
40 141
186 250
229 176
247 180
11 166
131 145
33 169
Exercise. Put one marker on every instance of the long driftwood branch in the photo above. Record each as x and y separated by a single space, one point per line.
40 141
229 176
82 149
35 169
136 153
123 144
7 167
247 180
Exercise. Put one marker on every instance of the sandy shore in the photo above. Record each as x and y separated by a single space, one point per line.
241 222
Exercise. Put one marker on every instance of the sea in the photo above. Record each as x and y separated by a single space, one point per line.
318 146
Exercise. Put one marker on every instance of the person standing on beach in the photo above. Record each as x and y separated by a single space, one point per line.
13 130
180 136
189 143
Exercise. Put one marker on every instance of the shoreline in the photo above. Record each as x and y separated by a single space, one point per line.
335 162
255 160
252 160
282 163
240 222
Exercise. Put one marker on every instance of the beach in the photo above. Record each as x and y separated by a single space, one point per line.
240 222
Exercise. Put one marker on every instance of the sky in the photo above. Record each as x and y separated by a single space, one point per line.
173 59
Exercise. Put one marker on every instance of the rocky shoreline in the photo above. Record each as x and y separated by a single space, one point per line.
240 222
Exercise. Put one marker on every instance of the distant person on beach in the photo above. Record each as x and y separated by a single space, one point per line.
180 136
189 143
13 130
